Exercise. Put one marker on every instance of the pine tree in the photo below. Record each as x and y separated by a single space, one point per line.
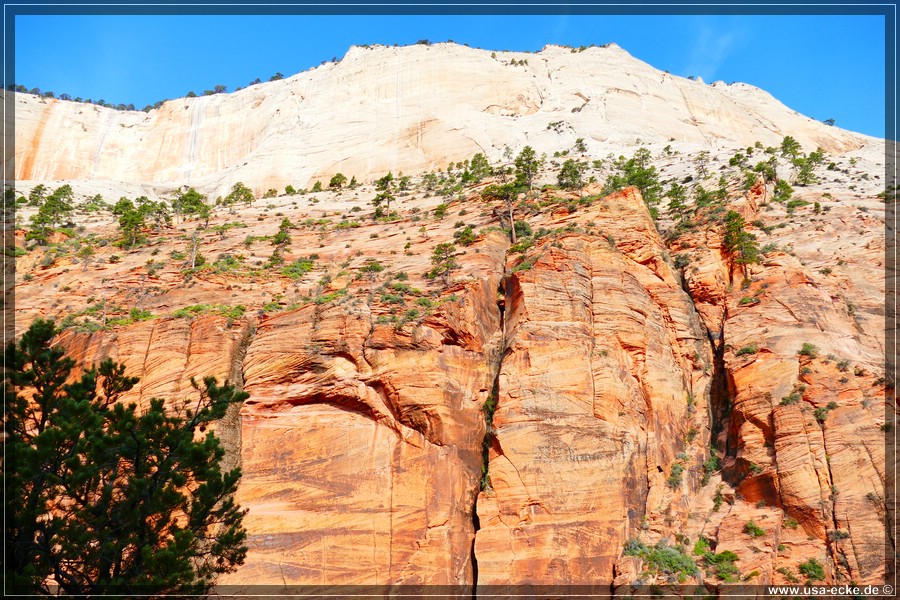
638 172
507 192
239 193
527 166
52 211
385 187
740 243
571 175
109 499
444 260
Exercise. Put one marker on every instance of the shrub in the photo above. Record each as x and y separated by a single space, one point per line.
752 349
232 312
753 529
792 398
718 498
710 466
808 350
701 547
298 268
813 569
788 575
465 236
662 559
525 265
337 181
521 246
674 479
330 297
722 565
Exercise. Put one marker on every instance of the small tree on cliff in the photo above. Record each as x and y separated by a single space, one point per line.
740 243
444 260
527 166
571 175
239 193
385 196
53 210
104 498
337 181
508 192
636 171
192 203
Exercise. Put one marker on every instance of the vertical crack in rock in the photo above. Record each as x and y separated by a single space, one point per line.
720 396
832 542
489 407
230 425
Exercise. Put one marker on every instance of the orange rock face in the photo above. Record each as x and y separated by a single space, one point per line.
363 442
602 355
550 403
612 374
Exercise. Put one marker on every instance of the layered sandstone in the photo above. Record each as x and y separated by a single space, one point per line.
620 354
604 356
415 108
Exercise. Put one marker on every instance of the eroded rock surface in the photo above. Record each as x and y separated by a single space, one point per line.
646 387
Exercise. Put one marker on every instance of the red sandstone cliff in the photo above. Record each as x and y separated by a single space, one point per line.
616 374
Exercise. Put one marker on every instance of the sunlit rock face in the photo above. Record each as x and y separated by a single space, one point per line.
415 109
616 349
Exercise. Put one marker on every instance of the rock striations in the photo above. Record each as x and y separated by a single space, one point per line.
562 411
415 108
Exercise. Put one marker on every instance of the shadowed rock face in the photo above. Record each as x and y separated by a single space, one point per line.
364 446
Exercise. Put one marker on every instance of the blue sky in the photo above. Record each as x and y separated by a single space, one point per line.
826 67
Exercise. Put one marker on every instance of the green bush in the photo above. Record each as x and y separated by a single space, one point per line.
753 529
298 268
465 236
232 312
525 265
792 398
752 349
722 565
813 570
674 479
326 298
521 246
523 229
663 560
808 350
788 575
710 466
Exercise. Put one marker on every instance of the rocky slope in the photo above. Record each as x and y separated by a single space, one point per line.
560 411
413 108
